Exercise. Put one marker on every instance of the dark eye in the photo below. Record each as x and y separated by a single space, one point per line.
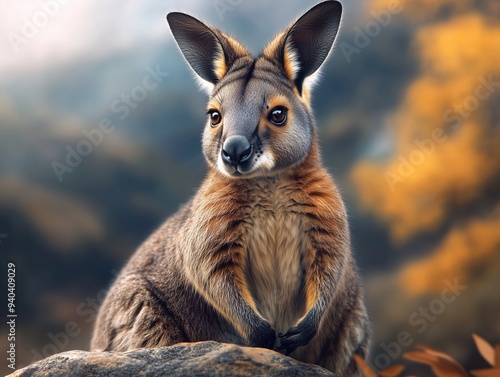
215 117
277 116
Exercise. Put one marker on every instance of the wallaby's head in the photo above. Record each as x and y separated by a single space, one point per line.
259 118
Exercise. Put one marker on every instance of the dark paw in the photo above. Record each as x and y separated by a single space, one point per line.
263 336
297 336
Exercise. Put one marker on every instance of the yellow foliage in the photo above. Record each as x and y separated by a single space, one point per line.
459 256
446 154
451 170
462 48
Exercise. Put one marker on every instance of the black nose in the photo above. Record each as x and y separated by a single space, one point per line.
236 149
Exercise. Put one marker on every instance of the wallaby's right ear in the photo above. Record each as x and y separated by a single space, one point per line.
304 46
208 51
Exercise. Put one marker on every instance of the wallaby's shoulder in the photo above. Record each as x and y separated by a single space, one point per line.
160 246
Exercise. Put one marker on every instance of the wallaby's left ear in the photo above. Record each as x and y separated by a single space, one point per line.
304 47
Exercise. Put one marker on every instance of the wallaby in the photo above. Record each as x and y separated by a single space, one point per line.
261 255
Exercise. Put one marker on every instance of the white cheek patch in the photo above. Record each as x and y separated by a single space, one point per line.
265 162
220 164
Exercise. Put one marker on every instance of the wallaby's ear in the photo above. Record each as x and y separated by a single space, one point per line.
208 51
304 47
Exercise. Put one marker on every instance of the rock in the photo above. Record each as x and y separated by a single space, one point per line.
183 359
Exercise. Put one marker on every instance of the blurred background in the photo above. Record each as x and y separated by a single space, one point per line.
410 129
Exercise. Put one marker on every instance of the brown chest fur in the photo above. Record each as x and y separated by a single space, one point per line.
274 242
274 220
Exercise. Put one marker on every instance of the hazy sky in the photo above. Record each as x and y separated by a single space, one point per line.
75 29
38 33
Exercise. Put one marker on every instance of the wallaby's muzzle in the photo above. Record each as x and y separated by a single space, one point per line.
236 150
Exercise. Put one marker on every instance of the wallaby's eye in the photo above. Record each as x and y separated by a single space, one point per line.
215 117
277 116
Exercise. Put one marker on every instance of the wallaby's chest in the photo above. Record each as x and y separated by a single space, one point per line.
274 242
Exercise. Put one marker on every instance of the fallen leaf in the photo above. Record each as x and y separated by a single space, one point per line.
485 349
420 357
439 354
365 369
486 373
441 367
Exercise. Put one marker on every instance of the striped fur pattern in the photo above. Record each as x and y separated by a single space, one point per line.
261 254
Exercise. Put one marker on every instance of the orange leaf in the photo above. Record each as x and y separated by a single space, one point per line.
365 369
440 354
420 357
485 349
392 371
486 373
441 367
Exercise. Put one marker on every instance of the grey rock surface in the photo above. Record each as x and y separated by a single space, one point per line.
183 359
